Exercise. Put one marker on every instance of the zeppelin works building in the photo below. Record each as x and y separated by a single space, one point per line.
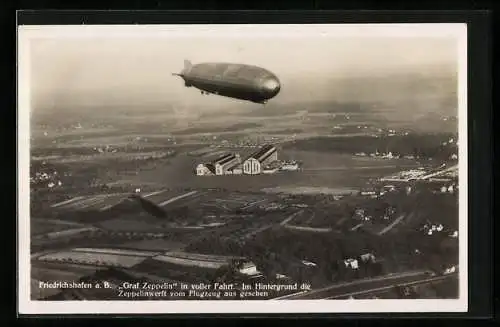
255 163
231 163
219 166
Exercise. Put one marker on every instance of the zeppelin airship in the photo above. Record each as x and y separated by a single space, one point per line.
232 80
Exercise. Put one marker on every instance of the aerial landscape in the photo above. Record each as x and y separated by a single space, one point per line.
341 184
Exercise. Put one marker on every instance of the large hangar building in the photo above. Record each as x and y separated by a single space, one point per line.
255 163
219 166
261 161
226 162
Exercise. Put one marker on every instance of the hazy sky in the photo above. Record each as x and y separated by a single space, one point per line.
129 71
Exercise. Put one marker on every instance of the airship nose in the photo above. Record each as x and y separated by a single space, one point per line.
270 86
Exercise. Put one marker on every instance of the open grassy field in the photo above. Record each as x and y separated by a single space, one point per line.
40 226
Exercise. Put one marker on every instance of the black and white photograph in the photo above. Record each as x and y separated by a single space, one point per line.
242 168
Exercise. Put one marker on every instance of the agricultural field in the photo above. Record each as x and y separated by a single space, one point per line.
40 226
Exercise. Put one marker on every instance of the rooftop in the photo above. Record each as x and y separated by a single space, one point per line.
222 158
227 159
261 152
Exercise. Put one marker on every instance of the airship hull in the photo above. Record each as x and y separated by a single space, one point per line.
238 81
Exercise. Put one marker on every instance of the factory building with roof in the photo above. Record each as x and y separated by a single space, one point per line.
254 163
219 166
205 169
231 164
228 161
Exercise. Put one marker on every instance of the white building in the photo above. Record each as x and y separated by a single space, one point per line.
249 268
351 263
225 162
220 166
290 166
237 170
309 263
204 170
254 164
450 270
388 155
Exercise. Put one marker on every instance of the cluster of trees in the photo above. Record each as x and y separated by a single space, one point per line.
277 250
274 251
438 208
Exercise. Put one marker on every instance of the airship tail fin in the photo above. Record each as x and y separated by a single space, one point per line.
187 66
